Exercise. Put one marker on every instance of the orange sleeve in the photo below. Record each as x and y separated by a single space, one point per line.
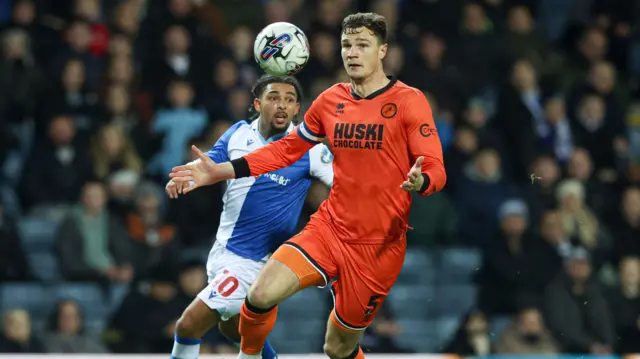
423 140
283 152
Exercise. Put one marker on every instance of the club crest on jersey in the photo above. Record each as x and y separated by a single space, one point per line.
358 136
326 157
389 110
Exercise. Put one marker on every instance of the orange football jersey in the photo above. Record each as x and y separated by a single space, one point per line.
375 141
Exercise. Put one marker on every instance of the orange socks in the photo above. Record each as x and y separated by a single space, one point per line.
358 355
255 326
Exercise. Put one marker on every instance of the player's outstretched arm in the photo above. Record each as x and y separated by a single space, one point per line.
428 175
272 157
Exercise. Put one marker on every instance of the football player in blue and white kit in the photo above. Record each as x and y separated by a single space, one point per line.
259 214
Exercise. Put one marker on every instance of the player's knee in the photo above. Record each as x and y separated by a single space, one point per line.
336 349
261 296
190 325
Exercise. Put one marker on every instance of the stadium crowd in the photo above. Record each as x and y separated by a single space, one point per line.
536 104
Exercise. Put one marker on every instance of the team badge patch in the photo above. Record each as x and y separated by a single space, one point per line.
389 110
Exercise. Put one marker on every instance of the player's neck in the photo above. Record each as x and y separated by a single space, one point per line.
266 130
370 84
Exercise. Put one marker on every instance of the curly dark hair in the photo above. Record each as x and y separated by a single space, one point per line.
261 84
376 23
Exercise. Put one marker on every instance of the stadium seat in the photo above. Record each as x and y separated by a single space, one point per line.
498 324
296 336
458 265
411 301
45 266
418 268
311 301
454 299
418 335
35 298
447 326
37 234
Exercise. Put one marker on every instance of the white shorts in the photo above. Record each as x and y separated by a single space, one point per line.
230 277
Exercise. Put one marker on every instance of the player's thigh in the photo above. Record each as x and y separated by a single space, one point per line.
196 320
299 263
367 274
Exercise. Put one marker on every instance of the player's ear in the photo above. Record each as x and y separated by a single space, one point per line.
383 51
297 108
256 104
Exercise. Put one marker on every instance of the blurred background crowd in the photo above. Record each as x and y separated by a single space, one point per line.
533 247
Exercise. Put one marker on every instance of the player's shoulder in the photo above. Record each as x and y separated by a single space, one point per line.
237 129
320 153
337 90
407 92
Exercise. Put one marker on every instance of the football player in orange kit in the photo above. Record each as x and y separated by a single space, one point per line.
385 146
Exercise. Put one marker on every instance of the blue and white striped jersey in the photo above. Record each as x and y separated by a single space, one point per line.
261 213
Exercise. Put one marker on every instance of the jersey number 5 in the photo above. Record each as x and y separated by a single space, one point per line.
372 306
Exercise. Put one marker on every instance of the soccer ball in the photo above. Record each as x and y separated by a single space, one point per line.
281 49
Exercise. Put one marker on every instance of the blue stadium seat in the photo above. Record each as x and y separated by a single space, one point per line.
32 297
117 293
412 301
418 335
45 266
296 336
37 234
498 324
454 299
458 265
311 301
418 268
447 327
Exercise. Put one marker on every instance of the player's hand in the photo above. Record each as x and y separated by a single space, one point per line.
198 173
174 189
414 178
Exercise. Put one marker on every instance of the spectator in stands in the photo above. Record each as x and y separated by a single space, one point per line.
111 151
624 302
598 195
155 242
554 130
197 217
580 223
479 194
121 190
464 147
541 194
90 243
527 335
13 262
510 270
66 332
73 97
56 168
472 337
624 225
576 311
554 241
17 336
179 123
146 319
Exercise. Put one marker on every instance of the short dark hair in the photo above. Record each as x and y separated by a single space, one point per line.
372 21
261 84
265 80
